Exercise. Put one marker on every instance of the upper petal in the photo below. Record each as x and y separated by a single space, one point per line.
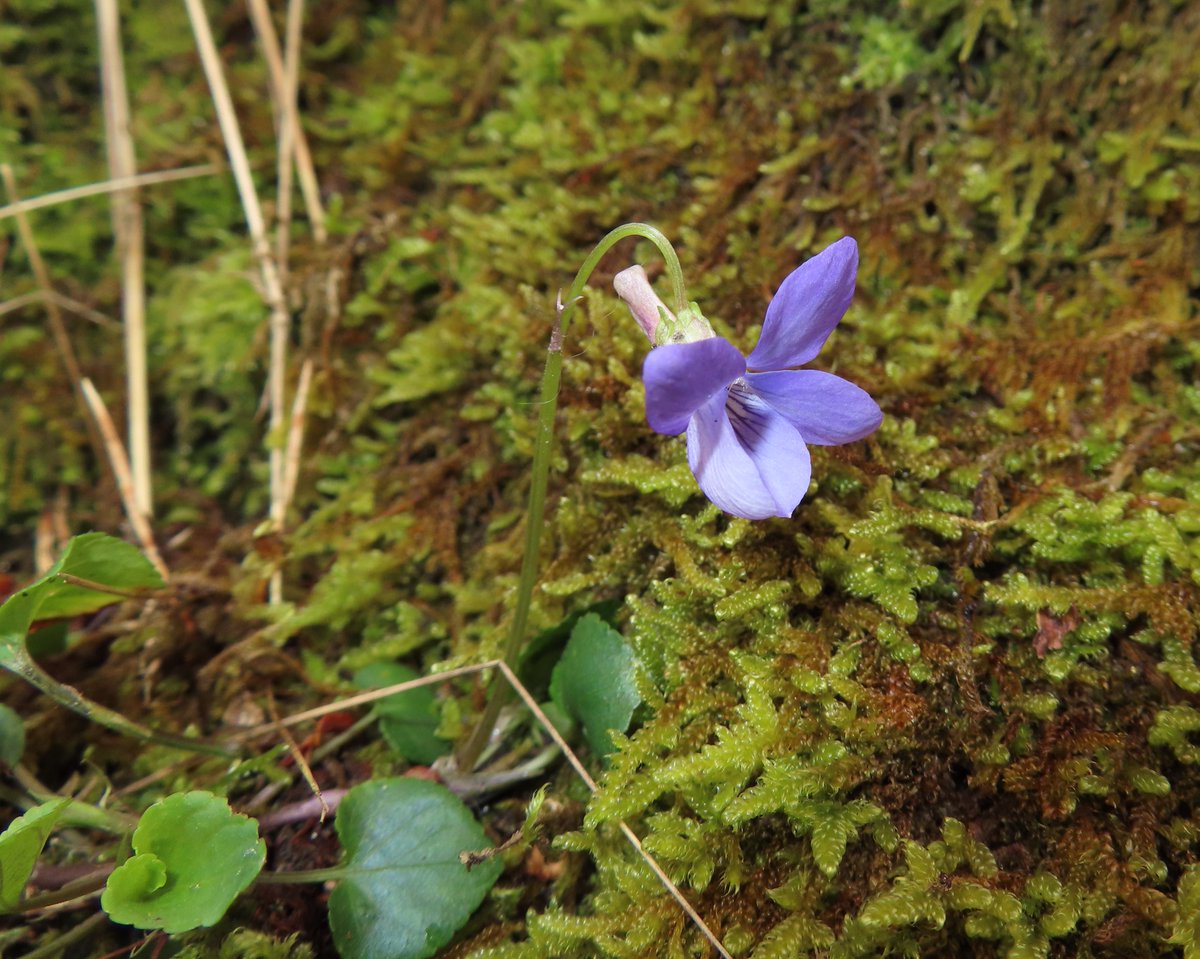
747 458
826 409
682 377
806 308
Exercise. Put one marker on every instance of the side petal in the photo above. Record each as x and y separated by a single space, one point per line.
826 409
682 377
747 458
806 308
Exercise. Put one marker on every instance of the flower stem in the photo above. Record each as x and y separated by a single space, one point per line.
471 748
18 660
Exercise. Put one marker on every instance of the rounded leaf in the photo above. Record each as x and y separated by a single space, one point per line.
404 891
193 856
594 681
408 720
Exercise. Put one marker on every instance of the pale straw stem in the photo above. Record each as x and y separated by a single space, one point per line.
129 229
272 288
120 466
276 78
105 186
295 438
288 123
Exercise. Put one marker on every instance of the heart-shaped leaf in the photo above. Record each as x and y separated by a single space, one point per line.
194 855
21 844
404 891
594 681
407 720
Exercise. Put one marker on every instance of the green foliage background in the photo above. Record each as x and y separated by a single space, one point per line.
951 708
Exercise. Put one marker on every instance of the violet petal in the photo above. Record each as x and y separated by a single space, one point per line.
806 308
826 409
747 458
681 377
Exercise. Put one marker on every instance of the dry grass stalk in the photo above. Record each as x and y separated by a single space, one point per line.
296 753
129 228
120 466
291 462
629 834
65 302
17 207
278 82
526 697
272 287
45 548
289 122
295 438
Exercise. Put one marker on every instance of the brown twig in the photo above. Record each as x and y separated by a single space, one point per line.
320 806
297 755
129 229
120 467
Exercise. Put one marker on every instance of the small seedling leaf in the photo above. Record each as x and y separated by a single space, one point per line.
193 856
407 720
21 844
95 557
405 891
594 681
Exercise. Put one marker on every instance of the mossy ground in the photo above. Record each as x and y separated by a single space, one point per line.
948 709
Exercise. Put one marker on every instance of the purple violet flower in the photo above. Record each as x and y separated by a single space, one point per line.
748 419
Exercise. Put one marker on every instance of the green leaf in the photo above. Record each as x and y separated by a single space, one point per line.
594 681
21 844
404 892
193 856
12 736
541 654
1187 927
828 839
95 557
406 720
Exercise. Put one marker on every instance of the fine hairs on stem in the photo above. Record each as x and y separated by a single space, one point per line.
471 748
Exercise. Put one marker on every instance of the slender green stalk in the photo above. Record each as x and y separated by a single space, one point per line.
79 933
547 409
330 874
20 662
75 813
85 886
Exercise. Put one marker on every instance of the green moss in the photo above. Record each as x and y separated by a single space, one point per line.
945 708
